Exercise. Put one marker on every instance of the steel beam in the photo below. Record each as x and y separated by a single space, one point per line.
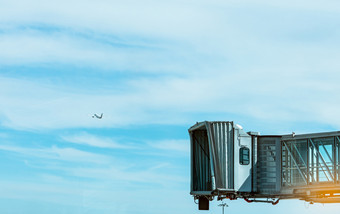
292 157
324 162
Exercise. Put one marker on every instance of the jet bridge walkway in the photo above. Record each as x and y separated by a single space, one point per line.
227 162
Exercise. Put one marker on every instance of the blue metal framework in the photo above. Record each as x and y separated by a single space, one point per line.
310 161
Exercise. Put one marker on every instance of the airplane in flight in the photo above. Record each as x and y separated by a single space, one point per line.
98 117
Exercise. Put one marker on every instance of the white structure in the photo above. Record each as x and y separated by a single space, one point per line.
228 162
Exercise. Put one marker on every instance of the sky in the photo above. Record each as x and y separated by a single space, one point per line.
153 68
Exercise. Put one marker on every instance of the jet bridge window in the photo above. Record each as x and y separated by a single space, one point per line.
244 156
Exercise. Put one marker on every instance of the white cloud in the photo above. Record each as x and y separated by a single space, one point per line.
264 95
145 17
95 141
272 61
172 145
199 32
59 154
129 176
27 47
234 59
118 36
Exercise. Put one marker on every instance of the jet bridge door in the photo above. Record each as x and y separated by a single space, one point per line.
201 169
268 180
242 160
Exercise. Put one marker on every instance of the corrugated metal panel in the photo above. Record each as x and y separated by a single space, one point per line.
212 156
254 164
222 145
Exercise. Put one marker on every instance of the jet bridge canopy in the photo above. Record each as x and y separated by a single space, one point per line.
211 154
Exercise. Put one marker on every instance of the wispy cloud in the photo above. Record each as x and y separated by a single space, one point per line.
95 141
172 145
149 176
149 62
56 153
27 46
248 61
176 100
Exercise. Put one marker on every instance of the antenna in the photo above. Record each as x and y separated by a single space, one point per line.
223 205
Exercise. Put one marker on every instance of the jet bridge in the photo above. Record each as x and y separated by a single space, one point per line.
227 162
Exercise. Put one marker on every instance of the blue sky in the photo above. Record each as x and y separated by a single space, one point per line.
153 68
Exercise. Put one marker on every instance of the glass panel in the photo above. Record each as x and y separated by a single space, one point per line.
294 162
244 156
321 159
